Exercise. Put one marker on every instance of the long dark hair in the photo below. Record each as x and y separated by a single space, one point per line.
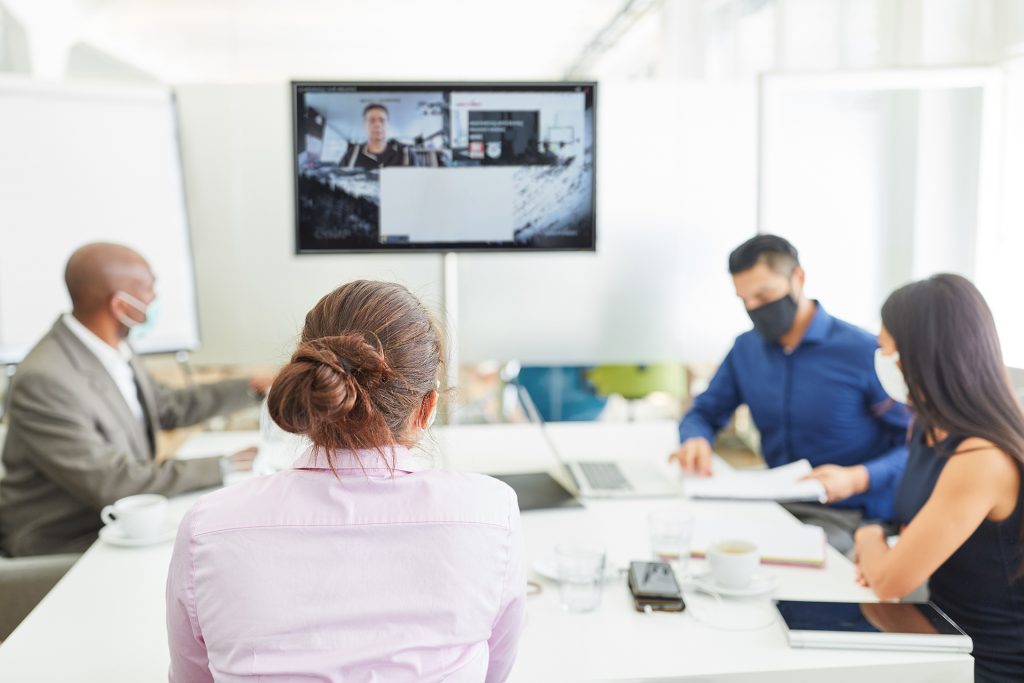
953 363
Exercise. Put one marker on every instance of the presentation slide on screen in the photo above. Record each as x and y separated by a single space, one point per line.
444 169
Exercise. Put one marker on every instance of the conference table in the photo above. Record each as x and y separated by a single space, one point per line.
104 621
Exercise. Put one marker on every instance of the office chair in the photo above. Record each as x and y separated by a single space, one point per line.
635 382
24 581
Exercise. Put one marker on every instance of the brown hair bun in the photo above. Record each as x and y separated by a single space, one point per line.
370 353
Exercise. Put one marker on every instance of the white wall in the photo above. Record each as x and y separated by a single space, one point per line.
676 193
876 187
253 291
676 188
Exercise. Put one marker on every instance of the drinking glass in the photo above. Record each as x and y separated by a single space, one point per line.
671 533
580 577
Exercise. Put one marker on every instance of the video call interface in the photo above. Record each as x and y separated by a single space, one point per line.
467 167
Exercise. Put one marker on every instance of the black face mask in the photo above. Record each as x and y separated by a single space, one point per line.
774 319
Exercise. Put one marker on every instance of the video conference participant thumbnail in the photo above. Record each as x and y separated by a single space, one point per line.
378 151
348 130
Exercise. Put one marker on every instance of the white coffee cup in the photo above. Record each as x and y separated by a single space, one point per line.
140 516
733 562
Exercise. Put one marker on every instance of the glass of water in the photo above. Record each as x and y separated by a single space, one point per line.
580 577
671 532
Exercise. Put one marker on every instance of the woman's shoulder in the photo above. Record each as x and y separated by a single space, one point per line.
488 496
482 484
229 505
982 448
978 459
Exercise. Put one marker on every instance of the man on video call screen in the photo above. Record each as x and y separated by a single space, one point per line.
378 150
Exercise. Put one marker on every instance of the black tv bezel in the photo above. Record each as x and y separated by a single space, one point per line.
441 247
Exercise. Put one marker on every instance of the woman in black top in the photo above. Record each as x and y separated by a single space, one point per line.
961 494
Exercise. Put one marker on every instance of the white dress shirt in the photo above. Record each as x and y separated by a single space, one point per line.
114 360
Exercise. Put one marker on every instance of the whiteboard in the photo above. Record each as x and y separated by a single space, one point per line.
85 163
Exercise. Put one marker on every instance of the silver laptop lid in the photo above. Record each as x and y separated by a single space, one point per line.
531 412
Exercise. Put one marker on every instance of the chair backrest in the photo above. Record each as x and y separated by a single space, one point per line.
638 381
3 435
24 581
561 393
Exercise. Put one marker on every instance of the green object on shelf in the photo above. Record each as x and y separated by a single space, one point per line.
638 381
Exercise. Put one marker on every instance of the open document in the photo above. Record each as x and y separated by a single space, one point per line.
783 484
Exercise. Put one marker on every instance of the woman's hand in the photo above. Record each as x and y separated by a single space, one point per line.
863 537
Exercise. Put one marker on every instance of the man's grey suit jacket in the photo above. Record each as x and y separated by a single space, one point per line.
73 445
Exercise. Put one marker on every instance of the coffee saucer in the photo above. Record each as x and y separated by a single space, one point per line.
114 536
759 585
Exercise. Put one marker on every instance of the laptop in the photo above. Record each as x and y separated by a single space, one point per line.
607 479
904 626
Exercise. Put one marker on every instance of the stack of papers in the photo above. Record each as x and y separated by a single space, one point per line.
796 544
782 484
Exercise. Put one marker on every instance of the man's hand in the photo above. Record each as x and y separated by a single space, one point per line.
694 456
260 384
841 482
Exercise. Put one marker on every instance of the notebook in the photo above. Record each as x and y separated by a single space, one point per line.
784 543
918 626
781 484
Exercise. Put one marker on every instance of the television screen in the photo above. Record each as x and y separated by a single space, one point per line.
444 167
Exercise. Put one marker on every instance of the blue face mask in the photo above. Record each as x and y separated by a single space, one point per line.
139 330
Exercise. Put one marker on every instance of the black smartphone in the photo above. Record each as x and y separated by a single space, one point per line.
654 585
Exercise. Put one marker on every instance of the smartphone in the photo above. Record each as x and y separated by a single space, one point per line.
654 585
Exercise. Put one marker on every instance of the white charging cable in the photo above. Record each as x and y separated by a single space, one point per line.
760 614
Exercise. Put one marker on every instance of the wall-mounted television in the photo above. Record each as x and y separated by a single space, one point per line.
444 166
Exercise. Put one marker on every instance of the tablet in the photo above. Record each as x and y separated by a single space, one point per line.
538 491
917 626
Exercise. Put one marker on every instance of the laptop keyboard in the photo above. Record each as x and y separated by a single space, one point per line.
604 475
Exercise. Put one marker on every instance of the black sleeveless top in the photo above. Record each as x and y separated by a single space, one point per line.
976 585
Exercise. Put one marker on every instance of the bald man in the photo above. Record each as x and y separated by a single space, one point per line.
84 413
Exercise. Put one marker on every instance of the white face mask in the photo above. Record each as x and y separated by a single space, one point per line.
891 377
151 313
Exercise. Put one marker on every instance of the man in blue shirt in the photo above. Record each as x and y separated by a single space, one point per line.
809 381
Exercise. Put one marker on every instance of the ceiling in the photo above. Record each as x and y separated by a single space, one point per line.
243 40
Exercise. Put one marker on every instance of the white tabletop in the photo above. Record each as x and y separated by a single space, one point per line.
104 621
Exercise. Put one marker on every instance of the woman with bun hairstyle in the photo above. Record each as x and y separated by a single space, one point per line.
360 563
961 497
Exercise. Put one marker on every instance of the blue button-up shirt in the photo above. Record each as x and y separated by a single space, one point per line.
821 401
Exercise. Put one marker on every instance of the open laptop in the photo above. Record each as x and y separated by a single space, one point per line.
607 479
